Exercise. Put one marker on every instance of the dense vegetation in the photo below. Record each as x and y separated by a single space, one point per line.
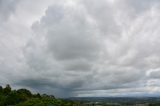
23 97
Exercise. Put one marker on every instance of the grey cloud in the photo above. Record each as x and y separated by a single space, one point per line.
80 41
143 5
74 41
48 86
87 45
7 8
154 73
105 21
81 65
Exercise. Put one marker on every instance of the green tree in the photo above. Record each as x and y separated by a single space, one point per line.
7 89
24 92
12 98
23 97
37 95
1 89
153 104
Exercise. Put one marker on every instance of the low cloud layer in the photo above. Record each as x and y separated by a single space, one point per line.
81 48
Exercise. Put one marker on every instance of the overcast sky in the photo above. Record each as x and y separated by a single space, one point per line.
81 47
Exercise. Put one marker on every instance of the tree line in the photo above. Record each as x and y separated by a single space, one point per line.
24 97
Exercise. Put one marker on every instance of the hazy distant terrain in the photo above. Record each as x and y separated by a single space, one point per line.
119 100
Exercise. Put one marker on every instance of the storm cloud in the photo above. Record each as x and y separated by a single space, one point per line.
81 47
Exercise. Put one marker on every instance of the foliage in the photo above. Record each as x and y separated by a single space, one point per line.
23 97
7 89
